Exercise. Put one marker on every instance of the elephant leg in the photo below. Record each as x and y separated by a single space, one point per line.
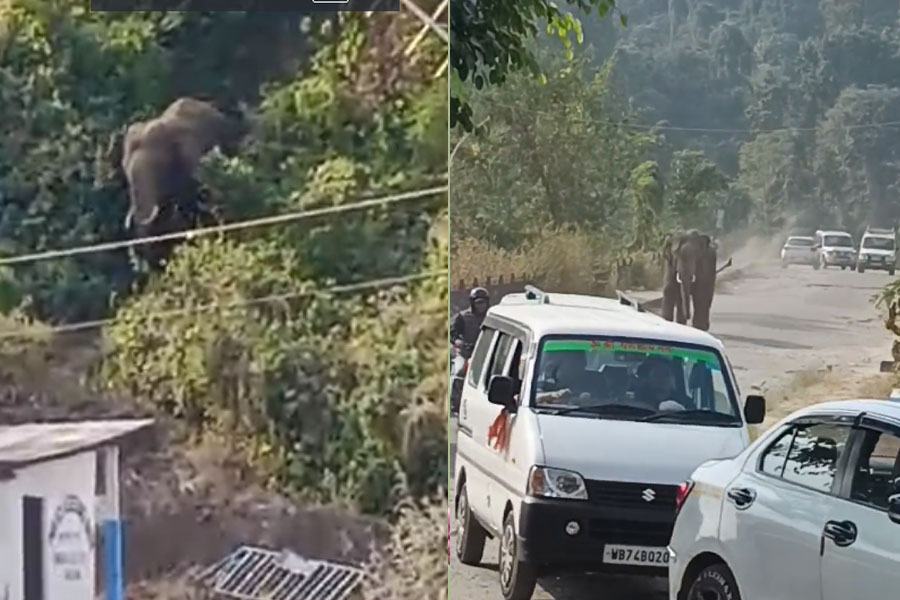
669 300
702 305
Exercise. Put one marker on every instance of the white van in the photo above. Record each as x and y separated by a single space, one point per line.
877 251
607 410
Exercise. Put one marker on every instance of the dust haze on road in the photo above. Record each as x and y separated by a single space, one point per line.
775 323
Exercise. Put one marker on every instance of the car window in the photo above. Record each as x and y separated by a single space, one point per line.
877 468
479 355
814 454
773 458
500 355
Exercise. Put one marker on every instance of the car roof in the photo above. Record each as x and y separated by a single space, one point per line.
574 314
800 237
871 406
833 232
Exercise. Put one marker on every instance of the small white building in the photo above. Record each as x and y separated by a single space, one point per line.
59 506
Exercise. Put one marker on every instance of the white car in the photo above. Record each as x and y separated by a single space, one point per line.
809 511
799 250
835 249
579 418
876 251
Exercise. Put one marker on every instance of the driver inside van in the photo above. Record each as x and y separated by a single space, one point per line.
655 385
571 377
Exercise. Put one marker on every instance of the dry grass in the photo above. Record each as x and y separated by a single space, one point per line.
815 386
414 564
562 261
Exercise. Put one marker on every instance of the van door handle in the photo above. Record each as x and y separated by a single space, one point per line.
742 498
842 533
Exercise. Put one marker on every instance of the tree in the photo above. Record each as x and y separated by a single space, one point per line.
489 42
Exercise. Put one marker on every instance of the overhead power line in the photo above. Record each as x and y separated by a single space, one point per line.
234 226
662 127
338 289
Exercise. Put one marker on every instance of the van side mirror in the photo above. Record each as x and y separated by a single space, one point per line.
755 410
501 390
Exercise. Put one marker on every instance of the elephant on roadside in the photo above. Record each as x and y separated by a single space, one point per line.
689 280
160 157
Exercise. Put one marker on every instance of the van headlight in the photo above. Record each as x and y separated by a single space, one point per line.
546 482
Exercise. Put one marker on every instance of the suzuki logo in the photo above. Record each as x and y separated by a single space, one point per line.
648 495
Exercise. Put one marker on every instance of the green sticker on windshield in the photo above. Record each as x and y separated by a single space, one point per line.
609 347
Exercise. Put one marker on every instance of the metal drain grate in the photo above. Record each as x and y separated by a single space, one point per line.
251 573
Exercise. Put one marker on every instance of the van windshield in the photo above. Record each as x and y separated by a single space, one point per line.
878 243
634 380
840 241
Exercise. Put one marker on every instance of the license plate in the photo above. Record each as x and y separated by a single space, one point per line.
642 556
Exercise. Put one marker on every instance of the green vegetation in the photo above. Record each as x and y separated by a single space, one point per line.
762 110
337 396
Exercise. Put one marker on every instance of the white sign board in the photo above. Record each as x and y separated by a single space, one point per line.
70 547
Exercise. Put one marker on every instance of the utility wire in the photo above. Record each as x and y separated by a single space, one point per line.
338 289
233 226
648 127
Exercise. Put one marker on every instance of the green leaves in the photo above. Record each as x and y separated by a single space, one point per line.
489 41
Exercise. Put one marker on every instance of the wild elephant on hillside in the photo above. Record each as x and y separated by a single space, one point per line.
160 158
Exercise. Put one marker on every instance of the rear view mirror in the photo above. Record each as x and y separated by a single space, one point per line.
755 410
501 390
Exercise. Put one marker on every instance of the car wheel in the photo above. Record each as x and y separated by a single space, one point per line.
714 582
517 579
470 535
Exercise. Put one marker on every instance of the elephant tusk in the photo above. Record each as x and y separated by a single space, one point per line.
151 218
128 218
678 277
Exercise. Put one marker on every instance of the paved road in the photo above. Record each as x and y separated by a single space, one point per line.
774 323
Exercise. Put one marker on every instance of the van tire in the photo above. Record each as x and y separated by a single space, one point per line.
517 579
470 535
714 581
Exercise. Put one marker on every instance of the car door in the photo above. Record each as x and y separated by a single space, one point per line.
861 549
502 471
775 510
473 423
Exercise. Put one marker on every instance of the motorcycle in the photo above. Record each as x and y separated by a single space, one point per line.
459 365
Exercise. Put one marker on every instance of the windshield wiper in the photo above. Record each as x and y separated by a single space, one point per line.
692 415
602 409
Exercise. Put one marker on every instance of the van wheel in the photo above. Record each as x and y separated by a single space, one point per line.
715 582
470 535
517 579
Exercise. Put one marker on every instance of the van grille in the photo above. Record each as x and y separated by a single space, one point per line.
641 533
618 494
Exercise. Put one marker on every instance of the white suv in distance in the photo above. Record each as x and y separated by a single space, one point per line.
580 417
877 251
799 250
835 248
810 511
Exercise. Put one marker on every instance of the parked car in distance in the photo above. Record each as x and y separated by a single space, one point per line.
877 251
579 418
799 250
809 511
835 249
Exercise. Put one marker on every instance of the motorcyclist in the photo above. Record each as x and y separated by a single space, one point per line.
467 324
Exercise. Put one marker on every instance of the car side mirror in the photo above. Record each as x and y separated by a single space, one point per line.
894 503
755 410
501 391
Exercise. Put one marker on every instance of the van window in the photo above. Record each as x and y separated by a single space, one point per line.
482 346
501 354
